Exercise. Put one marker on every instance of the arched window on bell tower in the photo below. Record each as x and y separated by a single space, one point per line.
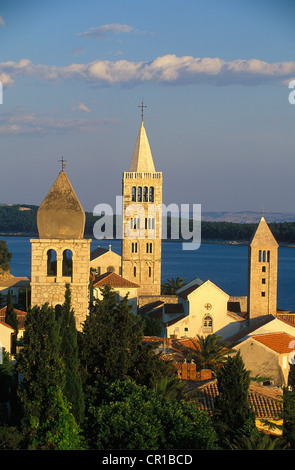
67 263
51 263
151 194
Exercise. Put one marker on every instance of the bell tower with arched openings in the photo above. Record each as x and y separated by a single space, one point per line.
262 272
61 255
142 219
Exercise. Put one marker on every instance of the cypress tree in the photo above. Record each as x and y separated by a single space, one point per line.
11 319
233 408
42 375
70 355
10 316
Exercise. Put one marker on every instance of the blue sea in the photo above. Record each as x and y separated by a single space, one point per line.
225 265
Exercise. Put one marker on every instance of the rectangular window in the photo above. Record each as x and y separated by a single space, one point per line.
134 271
262 294
150 271
263 280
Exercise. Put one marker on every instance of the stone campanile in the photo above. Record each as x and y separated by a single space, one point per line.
61 255
142 219
262 272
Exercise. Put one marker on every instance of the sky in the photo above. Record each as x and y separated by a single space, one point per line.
214 76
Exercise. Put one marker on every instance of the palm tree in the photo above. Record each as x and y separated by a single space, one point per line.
207 352
171 286
259 441
169 387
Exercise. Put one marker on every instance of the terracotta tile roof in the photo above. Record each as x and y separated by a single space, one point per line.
114 280
278 342
178 344
287 317
21 316
264 404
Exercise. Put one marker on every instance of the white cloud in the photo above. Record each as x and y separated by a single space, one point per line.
168 69
81 107
100 32
20 122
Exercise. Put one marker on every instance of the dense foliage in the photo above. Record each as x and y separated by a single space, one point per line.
124 415
103 388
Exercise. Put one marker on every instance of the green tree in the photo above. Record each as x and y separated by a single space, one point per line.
10 315
110 337
111 344
58 430
259 441
70 354
170 388
289 408
7 377
125 415
232 408
171 286
41 390
152 326
5 256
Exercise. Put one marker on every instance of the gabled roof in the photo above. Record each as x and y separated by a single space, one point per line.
263 236
142 160
235 339
99 251
184 293
113 280
280 342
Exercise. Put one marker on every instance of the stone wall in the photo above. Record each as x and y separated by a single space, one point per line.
51 288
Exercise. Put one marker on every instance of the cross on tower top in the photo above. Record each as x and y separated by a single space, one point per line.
142 106
62 163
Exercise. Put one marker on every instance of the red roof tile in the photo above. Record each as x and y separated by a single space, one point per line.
113 280
278 342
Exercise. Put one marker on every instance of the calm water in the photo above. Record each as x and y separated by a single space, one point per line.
225 265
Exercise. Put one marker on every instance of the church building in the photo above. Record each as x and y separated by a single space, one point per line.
61 254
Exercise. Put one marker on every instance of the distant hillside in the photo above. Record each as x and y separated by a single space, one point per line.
247 217
21 219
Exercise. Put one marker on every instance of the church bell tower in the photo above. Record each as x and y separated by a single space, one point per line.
262 272
61 255
142 219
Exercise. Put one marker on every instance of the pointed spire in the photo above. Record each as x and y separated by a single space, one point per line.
142 160
263 235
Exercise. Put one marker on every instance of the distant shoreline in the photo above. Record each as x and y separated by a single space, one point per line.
205 241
